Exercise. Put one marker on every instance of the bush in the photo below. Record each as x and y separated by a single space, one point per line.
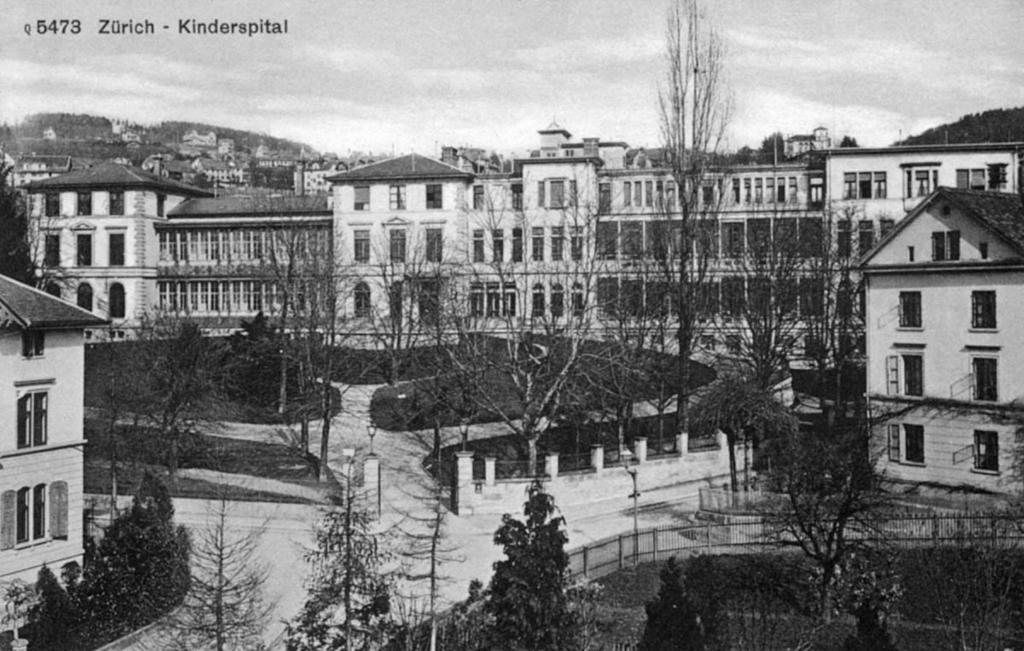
673 623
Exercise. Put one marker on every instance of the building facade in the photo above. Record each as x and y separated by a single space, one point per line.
41 409
944 314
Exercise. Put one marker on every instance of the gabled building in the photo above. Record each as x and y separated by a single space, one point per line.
945 321
97 234
36 168
41 440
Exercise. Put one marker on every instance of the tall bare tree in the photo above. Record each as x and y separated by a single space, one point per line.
695 109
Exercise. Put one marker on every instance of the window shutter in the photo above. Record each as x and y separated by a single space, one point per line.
894 443
8 505
59 509
24 416
892 374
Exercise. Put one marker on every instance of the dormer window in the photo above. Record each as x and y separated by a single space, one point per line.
946 245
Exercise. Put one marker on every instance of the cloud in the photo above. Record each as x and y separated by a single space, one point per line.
584 53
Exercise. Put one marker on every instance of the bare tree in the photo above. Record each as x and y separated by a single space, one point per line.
225 607
694 112
520 336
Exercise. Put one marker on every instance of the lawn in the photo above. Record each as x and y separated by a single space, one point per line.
137 454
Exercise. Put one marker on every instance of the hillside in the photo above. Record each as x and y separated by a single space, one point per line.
92 136
997 125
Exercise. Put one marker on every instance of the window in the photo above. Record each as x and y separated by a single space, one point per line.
707 194
396 197
910 309
51 257
815 191
607 240
476 299
32 343
781 191
735 190
670 195
39 511
517 245
537 301
497 245
478 197
983 309
508 300
435 245
758 190
843 241
996 176
116 251
84 296
557 301
116 304
160 201
540 194
732 239
52 204
865 236
517 197
894 443
913 375
362 198
396 241
395 307
649 193
920 182
968 179
604 198
537 243
83 250
913 443
986 450
576 242
850 185
881 185
885 225
811 293
627 196
912 367
32 408
361 245
493 299
117 203
632 239
84 203
557 194
53 289
985 376
478 245
638 194
983 250
733 296
557 242
946 245
435 196
362 300
578 304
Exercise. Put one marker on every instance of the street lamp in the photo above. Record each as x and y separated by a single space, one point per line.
631 464
371 430
464 428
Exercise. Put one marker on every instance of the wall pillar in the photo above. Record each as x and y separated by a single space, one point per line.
463 480
597 458
682 442
551 465
640 448
489 474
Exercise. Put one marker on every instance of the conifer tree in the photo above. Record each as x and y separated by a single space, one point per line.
673 623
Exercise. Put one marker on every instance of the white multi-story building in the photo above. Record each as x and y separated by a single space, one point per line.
41 441
945 321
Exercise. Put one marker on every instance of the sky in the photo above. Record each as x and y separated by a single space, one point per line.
412 75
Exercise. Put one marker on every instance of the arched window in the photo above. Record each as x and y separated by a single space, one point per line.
362 297
117 301
85 296
53 289
538 300
557 301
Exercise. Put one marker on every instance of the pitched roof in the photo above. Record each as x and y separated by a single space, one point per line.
252 205
411 166
1002 213
29 307
112 174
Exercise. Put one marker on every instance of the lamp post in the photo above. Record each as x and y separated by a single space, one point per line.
631 463
464 428
371 431
348 454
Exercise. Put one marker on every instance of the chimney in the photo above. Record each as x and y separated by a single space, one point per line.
449 155
590 147
300 177
158 165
